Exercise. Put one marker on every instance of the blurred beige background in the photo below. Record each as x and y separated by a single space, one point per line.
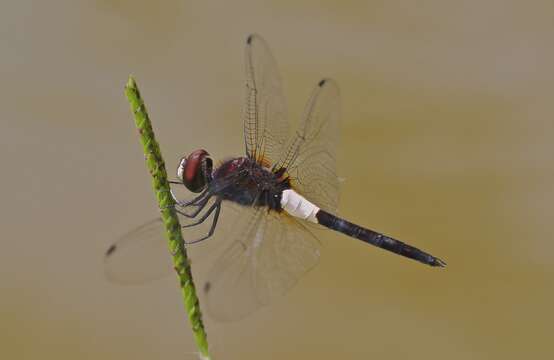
447 141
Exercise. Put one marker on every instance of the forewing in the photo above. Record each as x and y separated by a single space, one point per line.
267 255
265 112
142 254
311 156
139 256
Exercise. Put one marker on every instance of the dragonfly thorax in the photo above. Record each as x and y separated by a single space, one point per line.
248 183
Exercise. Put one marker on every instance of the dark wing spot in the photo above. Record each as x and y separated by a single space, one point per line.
111 249
322 82
207 286
249 39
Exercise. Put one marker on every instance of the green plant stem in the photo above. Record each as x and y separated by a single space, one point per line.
156 167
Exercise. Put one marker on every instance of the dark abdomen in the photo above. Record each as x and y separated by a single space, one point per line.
374 238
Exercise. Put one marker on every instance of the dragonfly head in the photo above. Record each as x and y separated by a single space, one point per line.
195 170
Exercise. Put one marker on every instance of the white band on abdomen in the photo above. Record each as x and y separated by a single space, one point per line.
298 206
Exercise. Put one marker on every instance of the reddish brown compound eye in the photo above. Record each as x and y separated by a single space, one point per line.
195 170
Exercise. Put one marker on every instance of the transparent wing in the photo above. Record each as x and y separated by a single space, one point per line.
265 112
310 159
142 255
266 257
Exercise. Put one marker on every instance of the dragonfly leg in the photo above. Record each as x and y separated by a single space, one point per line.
217 207
203 217
199 208
193 201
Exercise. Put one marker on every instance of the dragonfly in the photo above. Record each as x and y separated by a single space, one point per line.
270 197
